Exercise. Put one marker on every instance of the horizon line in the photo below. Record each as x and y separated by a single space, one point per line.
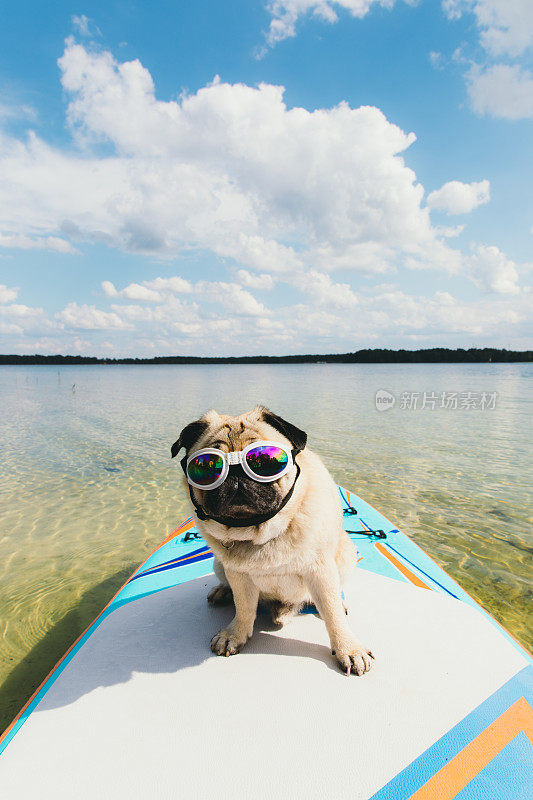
374 355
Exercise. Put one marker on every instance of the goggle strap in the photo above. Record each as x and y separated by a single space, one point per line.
257 519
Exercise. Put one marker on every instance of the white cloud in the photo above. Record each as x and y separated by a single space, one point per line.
326 189
163 290
260 254
262 281
286 13
134 313
109 289
7 295
502 90
450 231
436 59
9 328
506 26
324 292
22 242
84 26
16 110
134 291
21 311
308 193
505 31
19 319
90 318
231 296
380 315
174 284
455 197
492 270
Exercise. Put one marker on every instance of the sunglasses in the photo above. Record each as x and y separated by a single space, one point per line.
262 461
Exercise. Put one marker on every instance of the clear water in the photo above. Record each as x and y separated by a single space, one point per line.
88 489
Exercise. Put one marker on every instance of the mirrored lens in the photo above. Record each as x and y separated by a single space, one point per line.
205 468
267 460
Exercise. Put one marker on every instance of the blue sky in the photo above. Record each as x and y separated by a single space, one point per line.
160 193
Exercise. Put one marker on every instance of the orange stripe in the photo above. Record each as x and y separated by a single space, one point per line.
36 692
499 624
457 773
185 526
403 569
193 555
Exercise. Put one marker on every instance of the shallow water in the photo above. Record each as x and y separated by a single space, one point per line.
88 489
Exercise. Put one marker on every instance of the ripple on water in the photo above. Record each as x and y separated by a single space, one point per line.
88 489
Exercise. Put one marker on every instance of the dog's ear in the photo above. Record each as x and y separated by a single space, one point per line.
188 436
290 431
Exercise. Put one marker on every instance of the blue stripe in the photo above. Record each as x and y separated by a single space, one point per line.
423 768
431 578
171 561
192 553
344 497
163 568
421 570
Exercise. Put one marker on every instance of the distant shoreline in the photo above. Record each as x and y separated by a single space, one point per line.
436 355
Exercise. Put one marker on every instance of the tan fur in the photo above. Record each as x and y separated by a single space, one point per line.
301 555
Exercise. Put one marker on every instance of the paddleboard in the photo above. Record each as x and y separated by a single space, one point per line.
139 707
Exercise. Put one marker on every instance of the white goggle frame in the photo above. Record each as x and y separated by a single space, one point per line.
238 457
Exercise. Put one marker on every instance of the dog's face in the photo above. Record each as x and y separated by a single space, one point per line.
240 496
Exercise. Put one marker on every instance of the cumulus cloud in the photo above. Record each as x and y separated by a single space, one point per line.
325 292
134 291
20 319
182 325
231 296
22 242
502 90
174 284
7 295
274 195
455 197
85 317
505 31
506 26
492 270
262 281
327 189
286 13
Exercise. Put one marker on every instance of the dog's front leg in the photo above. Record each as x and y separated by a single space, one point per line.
230 640
324 586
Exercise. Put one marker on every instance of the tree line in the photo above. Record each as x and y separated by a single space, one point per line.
433 355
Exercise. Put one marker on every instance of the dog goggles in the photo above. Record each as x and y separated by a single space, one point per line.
263 461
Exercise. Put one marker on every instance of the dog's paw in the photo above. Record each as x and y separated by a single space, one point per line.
220 595
353 659
226 643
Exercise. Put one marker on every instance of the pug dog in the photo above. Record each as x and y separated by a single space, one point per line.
271 513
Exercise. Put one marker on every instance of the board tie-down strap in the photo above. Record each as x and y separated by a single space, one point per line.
350 511
378 534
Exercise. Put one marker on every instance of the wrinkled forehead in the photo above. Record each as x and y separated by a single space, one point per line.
235 433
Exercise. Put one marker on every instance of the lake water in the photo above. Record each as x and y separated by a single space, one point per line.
88 489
